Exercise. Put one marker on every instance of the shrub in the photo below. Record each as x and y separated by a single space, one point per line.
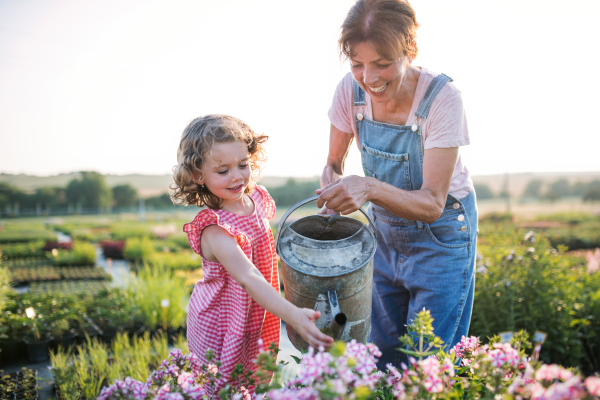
138 249
17 235
22 250
51 245
524 283
113 249
153 284
176 261
82 254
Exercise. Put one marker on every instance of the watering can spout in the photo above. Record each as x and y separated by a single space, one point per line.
337 325
338 322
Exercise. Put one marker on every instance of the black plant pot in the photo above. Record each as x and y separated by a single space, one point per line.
108 335
38 349
91 333
13 351
65 341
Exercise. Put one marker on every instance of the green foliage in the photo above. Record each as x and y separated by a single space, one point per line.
483 191
22 250
558 189
138 249
82 254
293 191
527 284
82 376
25 233
90 191
124 195
579 230
176 261
155 283
592 192
533 189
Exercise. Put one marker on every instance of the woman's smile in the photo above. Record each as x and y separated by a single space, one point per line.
376 91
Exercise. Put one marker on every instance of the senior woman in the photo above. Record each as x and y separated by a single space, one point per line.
408 123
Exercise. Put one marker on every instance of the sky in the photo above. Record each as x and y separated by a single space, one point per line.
110 85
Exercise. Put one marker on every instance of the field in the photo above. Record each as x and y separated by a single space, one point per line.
107 277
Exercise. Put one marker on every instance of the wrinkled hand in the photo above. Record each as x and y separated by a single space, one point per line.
327 177
304 323
345 195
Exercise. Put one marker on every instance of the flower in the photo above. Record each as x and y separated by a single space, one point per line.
592 384
433 384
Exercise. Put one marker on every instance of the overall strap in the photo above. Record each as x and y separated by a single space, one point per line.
432 90
359 94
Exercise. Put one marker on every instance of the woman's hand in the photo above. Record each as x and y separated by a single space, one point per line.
328 177
346 195
303 321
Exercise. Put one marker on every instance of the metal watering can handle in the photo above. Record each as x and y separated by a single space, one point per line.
306 201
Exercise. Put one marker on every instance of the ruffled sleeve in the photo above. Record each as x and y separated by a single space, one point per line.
206 218
267 201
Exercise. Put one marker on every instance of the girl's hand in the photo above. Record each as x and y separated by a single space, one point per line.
303 321
345 195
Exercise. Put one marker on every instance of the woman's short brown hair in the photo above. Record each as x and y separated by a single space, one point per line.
196 143
390 25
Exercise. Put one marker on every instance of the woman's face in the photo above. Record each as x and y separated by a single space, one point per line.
379 77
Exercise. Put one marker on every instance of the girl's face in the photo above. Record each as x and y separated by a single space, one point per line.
379 77
226 171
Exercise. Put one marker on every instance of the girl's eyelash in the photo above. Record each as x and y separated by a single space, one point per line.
222 172
384 66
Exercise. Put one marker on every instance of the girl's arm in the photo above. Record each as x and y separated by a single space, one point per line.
426 204
218 245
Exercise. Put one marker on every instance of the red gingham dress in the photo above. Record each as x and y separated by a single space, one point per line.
222 316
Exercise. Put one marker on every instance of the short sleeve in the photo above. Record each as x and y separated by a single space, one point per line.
340 113
267 200
447 121
206 218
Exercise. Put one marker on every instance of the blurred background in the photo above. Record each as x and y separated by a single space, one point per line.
94 97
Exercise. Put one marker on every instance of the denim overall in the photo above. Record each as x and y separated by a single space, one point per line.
417 265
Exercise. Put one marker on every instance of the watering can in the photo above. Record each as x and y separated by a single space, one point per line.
327 265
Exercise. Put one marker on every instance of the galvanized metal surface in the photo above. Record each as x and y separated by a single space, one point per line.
324 257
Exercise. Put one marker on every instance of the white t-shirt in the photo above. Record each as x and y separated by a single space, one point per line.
445 126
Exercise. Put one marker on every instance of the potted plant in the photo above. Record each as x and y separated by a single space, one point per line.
62 332
38 337
13 346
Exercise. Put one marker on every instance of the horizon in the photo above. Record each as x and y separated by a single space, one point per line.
110 86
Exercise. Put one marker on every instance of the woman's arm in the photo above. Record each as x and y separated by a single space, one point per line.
427 204
339 144
219 245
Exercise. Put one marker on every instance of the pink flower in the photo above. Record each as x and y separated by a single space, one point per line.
448 367
430 366
433 384
497 357
592 384
547 372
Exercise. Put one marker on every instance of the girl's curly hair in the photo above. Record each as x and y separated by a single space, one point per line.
196 143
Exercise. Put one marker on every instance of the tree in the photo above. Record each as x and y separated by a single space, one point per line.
592 193
533 189
160 201
91 191
483 191
124 195
558 189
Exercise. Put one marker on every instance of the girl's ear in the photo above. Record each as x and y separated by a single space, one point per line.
197 177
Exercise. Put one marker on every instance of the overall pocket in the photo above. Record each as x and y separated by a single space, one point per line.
451 230
387 167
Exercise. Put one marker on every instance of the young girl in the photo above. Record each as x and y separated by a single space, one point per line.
238 301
